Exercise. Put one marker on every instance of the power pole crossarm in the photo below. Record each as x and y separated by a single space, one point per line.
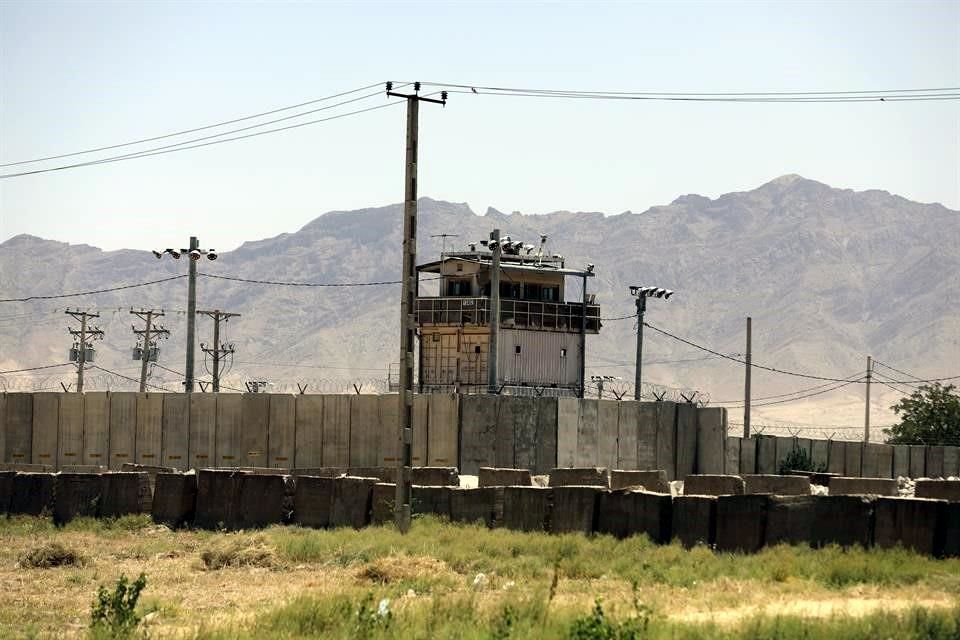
866 411
82 338
217 350
148 337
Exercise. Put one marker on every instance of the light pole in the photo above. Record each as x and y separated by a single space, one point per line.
641 294
194 253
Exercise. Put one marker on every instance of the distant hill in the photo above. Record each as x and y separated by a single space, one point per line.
828 275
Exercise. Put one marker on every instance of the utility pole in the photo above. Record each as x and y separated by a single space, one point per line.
81 347
641 294
407 304
583 340
494 318
866 412
218 349
148 335
746 380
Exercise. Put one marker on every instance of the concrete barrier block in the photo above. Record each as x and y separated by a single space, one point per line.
877 460
687 440
483 505
901 461
32 493
843 520
282 432
853 459
767 455
713 485
218 496
694 520
527 508
125 493
940 489
629 512
784 446
951 462
6 489
430 500
435 476
748 455
77 495
491 477
778 485
352 501
478 432
666 453
731 464
580 476
82 468
382 499
587 454
934 461
18 427
711 442
646 427
837 454
174 499
320 472
654 480
820 454
951 529
790 519
545 454
264 500
383 474
912 523
741 522
574 509
313 500
863 486
918 461
628 433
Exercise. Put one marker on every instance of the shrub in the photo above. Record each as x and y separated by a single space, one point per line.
799 460
52 554
114 614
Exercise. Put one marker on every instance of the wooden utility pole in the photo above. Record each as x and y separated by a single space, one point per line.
191 316
746 380
583 340
407 305
638 371
218 349
148 336
80 338
494 317
866 411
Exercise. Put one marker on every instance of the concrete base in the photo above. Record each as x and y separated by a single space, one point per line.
434 476
694 520
312 501
790 519
125 493
218 494
713 485
654 480
629 512
741 522
174 499
863 486
77 495
382 499
916 524
580 477
478 505
319 472
574 509
843 520
32 493
939 489
6 489
264 500
430 501
352 501
951 529
493 477
527 508
778 485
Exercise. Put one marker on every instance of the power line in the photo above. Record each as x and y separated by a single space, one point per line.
120 375
195 129
804 397
793 100
851 378
87 293
47 366
302 284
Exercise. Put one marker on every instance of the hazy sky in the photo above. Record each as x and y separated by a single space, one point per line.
78 75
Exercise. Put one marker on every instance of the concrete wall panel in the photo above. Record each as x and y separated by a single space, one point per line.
667 438
503 429
877 460
918 461
901 460
149 438
3 427
853 459
934 461
70 440
686 439
784 446
545 455
627 432
836 460
951 461
820 453
46 425
731 466
18 425
96 428
281 438
230 451
123 428
478 420
805 444
175 446
309 432
389 429
568 417
712 441
767 455
365 431
522 414
443 445
588 454
336 431
254 427
421 431
748 455
202 445
647 421
608 419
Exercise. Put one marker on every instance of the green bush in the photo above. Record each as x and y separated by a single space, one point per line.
114 615
799 460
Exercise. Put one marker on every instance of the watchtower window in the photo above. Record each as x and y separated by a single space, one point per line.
458 288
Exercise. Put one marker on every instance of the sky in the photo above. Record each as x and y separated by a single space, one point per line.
79 75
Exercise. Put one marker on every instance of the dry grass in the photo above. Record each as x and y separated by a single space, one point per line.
49 555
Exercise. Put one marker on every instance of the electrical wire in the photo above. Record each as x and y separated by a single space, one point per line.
793 100
304 284
851 378
803 397
47 366
87 293
120 375
195 129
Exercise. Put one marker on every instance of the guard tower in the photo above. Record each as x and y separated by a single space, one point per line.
541 337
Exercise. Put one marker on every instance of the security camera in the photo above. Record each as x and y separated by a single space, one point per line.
211 255
174 253
590 268
156 254
633 290
667 293
194 254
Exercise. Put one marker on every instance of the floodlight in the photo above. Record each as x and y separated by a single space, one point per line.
590 268
194 254
174 253
157 254
211 255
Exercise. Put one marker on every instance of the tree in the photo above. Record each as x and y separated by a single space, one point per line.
930 415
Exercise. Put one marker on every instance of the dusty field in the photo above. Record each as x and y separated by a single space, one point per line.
204 584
